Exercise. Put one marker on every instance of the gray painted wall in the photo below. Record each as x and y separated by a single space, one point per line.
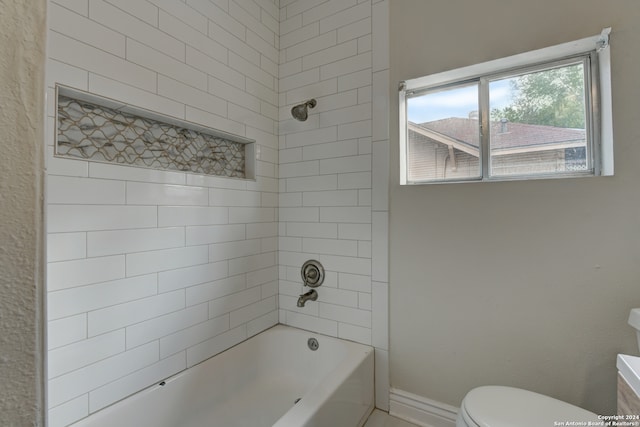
22 35
527 284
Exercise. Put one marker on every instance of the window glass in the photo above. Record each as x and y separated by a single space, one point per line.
540 114
538 123
443 134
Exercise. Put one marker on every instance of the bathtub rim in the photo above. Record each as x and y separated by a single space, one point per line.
320 394
321 388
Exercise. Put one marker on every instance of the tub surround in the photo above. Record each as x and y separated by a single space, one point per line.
153 271
150 271
333 200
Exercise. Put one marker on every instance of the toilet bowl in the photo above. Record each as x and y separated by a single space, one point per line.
498 406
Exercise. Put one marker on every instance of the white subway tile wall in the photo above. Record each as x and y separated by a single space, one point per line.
326 164
150 272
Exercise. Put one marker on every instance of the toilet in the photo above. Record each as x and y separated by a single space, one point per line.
498 406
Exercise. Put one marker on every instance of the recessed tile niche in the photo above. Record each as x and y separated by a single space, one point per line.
95 128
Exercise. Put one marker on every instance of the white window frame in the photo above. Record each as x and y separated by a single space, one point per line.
599 108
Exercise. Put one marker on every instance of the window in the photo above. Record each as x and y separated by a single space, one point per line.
541 114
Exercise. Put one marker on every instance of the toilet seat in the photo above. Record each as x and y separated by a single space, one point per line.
498 406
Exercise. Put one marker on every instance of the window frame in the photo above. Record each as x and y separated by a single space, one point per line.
592 51
590 70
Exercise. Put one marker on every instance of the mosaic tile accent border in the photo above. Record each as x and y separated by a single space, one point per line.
93 132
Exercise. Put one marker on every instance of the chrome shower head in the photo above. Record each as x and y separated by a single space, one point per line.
300 112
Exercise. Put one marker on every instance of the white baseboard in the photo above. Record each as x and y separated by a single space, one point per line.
420 410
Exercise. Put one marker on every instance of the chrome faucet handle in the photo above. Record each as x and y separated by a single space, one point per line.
312 273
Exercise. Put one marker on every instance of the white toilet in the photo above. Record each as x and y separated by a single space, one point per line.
498 406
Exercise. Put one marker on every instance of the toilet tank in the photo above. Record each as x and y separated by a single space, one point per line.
634 320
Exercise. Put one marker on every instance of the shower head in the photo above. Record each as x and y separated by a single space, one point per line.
299 112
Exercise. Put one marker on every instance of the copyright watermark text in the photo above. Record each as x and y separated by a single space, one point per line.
604 420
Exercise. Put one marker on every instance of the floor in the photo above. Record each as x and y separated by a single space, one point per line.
381 419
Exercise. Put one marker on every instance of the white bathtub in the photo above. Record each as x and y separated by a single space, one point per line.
255 384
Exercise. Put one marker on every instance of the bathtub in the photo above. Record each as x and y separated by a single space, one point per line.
255 384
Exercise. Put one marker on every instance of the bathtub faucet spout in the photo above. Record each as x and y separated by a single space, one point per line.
311 295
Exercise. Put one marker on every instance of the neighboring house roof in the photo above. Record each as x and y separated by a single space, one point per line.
506 137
